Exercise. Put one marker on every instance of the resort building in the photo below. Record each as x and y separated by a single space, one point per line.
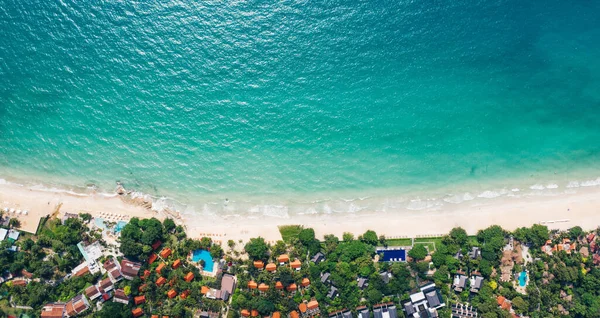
227 286
160 267
460 282
77 305
387 310
252 285
172 293
54 310
325 278
424 303
106 285
259 264
139 300
463 311
130 269
333 292
160 281
318 258
92 292
292 288
341 314
476 282
305 282
152 258
278 285
176 264
120 297
3 233
296 265
475 253
385 277
80 270
137 312
363 312
114 270
165 253
189 277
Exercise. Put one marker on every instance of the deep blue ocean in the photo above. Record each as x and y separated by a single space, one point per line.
311 104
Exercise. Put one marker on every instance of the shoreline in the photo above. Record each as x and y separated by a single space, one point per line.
579 207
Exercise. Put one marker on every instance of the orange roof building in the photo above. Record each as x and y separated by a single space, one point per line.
302 308
245 313
185 294
154 316
139 300
252 284
263 287
294 314
313 304
276 314
160 267
296 264
142 288
503 303
146 274
152 258
172 293
254 313
137 312
160 281
189 277
278 285
271 267
283 258
292 287
259 264
166 252
305 282
204 290
176 264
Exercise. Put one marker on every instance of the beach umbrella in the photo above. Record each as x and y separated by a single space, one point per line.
6 210
25 212
12 210
18 211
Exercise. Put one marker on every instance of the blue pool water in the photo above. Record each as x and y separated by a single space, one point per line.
100 223
522 278
393 255
198 255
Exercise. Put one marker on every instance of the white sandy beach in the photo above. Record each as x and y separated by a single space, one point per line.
581 208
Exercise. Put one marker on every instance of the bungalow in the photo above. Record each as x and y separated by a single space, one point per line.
160 281
341 314
3 233
476 282
271 267
254 313
475 253
278 285
146 274
362 283
283 258
292 287
189 277
305 282
156 245
152 258
19 282
139 300
106 284
504 303
245 313
424 303
137 312
92 292
333 292
276 314
325 278
54 310
172 293
77 305
165 253
460 282
363 312
259 264
463 311
130 269
263 287
302 308
296 264
120 297
385 311
313 307
252 285
142 288
294 314
160 267
176 264
318 258
385 277
184 294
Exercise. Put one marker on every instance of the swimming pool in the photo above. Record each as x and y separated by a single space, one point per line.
523 278
100 223
120 225
204 255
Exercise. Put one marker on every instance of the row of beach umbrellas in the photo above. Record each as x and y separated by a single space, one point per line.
114 216
14 211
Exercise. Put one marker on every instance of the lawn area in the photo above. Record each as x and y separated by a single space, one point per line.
430 241
289 231
399 242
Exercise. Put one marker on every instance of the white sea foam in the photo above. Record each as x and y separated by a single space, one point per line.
590 183
423 204
552 186
515 190
492 194
459 198
537 187
573 184
278 211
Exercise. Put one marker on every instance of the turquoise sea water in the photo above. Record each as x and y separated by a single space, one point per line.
299 102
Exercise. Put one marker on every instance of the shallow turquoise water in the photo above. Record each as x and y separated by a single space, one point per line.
257 100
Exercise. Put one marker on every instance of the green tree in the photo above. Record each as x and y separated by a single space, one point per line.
520 305
14 223
86 217
256 248
418 252
279 248
374 296
370 237
347 237
216 251
169 225
459 236
331 243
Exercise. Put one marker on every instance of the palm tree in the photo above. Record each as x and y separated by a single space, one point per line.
12 223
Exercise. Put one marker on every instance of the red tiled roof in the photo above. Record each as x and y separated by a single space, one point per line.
139 300
313 304
278 285
245 313
305 282
302 307
156 245
263 287
259 264
166 252
137 312
252 284
254 313
276 314
294 314
176 264
161 281
292 287
172 293
152 258
189 277
296 264
271 267
283 258
160 267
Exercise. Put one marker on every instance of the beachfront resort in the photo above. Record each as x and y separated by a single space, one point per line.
76 265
